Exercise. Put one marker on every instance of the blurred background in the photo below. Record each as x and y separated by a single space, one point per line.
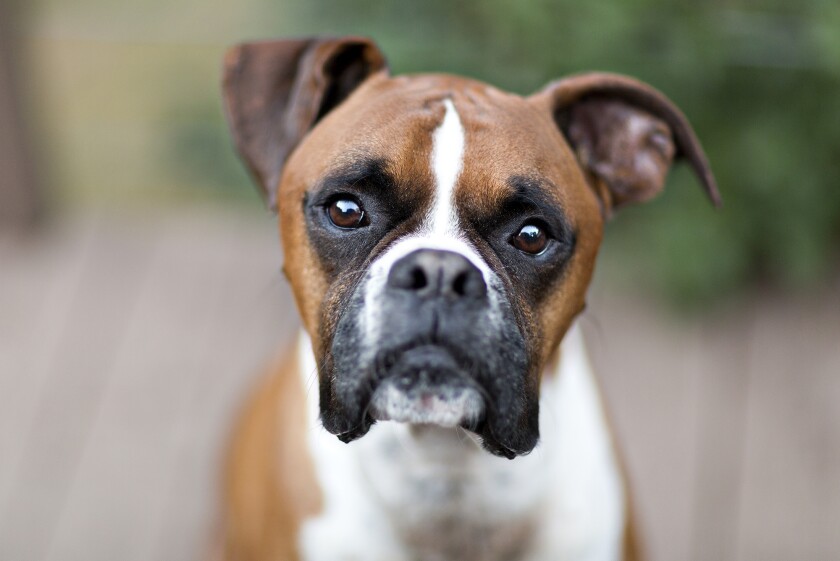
140 292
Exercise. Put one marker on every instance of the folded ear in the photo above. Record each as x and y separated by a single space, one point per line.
625 134
276 91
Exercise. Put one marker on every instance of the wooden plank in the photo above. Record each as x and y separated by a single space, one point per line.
190 331
261 306
39 278
650 366
790 493
77 373
722 401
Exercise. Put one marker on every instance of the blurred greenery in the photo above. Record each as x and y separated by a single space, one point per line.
129 95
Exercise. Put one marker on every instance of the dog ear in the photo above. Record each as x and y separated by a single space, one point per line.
276 91
625 134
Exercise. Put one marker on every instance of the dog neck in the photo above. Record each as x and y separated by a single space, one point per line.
412 492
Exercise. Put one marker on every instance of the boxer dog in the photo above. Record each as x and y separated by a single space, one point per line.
439 236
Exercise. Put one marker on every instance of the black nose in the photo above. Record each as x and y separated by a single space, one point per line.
433 273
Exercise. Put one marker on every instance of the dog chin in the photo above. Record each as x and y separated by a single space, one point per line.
426 386
446 406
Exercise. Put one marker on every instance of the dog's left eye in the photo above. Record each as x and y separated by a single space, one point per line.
531 238
346 213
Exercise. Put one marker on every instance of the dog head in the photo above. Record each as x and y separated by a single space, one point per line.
439 234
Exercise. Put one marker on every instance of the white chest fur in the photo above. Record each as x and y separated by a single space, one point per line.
408 493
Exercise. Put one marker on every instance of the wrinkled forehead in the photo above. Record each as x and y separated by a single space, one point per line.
439 139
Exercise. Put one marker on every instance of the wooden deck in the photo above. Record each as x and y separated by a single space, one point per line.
127 343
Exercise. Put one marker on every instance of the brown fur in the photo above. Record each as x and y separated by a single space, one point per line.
269 484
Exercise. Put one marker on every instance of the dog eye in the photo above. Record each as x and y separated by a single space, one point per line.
531 239
346 213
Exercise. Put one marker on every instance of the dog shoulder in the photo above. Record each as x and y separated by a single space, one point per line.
263 510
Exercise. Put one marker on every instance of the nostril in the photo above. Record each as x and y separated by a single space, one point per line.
418 279
408 275
459 285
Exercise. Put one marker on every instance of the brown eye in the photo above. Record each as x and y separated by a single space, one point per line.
530 239
346 213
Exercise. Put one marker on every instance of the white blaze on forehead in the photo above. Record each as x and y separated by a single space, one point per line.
447 158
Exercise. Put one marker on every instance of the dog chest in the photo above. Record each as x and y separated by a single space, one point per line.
416 493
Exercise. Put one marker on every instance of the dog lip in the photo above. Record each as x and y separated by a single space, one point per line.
430 346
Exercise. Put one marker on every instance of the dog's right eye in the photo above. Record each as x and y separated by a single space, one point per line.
531 239
346 213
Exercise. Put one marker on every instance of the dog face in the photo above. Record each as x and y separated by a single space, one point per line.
452 235
440 234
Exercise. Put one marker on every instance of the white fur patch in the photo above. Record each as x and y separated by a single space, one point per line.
588 513
447 160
